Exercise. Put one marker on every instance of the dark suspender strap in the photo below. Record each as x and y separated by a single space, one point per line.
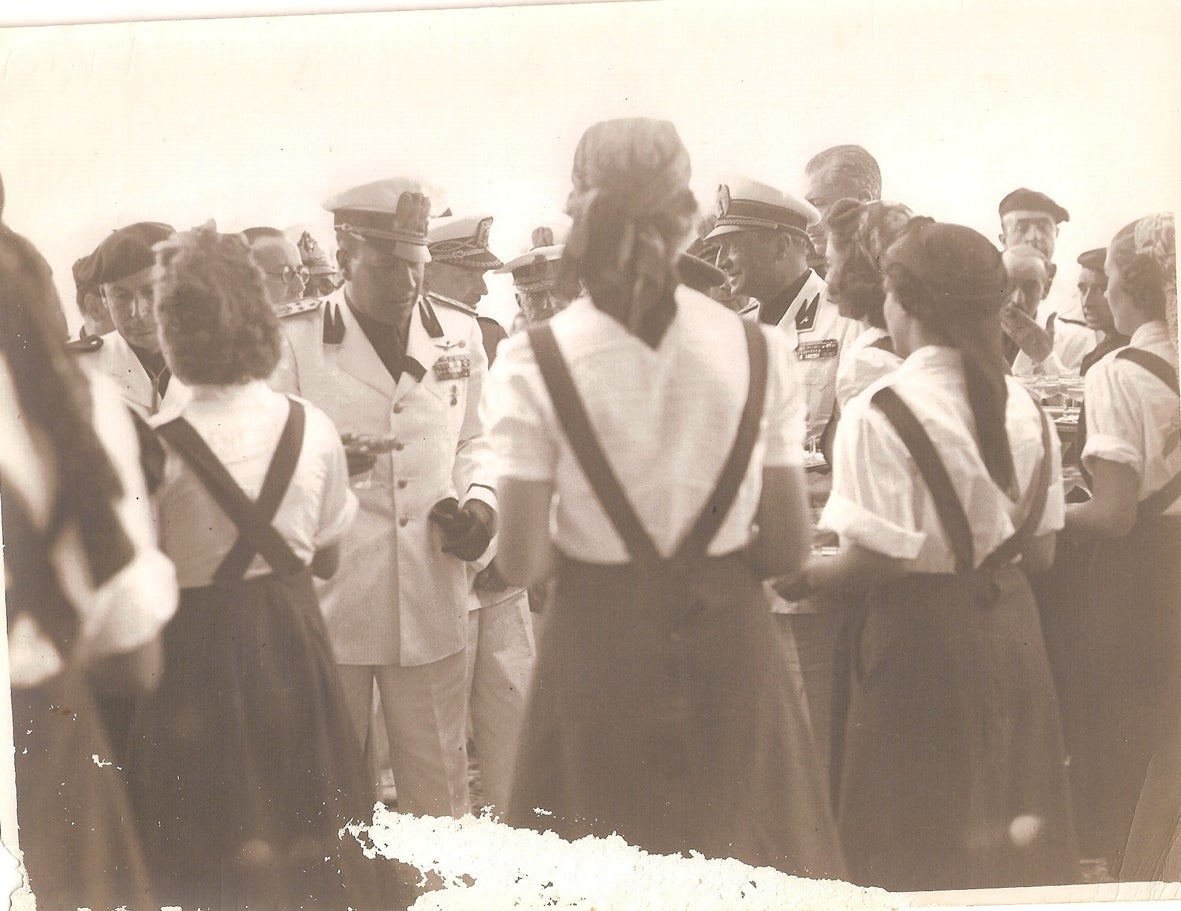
1154 364
918 444
713 513
228 495
575 424
1156 503
1041 484
32 580
274 488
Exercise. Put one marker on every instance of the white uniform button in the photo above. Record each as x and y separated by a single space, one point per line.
397 409
403 521
401 483
399 446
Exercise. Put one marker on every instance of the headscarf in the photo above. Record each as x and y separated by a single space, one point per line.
631 205
961 286
860 233
1156 236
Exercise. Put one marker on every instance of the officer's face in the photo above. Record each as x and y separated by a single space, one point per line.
747 258
464 285
132 307
381 285
282 267
1092 294
539 305
1037 229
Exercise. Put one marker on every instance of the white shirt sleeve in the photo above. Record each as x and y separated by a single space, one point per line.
872 502
786 409
519 414
1114 417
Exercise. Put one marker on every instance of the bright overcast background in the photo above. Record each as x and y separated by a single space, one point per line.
256 121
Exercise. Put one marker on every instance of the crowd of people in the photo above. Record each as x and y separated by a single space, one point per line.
752 536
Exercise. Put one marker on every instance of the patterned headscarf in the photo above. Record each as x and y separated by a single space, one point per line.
861 232
631 205
1155 236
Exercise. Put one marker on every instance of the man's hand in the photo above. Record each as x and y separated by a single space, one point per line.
361 451
1022 328
467 530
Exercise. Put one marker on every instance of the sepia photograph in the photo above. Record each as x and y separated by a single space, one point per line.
633 454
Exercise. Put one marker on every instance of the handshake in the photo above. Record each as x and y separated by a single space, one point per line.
467 530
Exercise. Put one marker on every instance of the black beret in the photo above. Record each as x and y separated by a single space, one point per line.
1093 259
698 274
127 251
1033 201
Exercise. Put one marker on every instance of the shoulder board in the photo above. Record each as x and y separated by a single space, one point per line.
84 344
296 307
439 300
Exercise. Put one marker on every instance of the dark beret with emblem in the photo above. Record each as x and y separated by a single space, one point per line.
1094 259
462 240
1025 200
537 268
391 212
698 274
127 251
748 205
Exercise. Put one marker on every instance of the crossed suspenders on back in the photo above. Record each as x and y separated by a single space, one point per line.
256 534
610 493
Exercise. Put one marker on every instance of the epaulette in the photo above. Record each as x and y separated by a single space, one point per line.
296 307
85 343
440 300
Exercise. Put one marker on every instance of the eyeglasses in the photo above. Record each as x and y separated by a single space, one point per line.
289 272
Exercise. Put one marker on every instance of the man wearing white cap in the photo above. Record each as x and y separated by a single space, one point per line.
535 275
764 251
501 650
401 378
763 234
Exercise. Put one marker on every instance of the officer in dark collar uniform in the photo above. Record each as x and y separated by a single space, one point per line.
460 257
763 234
404 372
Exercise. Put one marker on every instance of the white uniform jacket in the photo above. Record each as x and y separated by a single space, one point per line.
818 334
115 359
397 599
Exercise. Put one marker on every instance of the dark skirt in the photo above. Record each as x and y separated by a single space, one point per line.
670 720
1137 629
76 831
244 764
952 773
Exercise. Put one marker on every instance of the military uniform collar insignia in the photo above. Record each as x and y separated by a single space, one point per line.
333 324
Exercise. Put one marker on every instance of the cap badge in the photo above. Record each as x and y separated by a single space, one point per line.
723 199
543 236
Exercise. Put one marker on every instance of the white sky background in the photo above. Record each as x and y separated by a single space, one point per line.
257 121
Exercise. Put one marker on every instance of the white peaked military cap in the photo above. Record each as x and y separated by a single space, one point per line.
748 205
537 268
393 210
462 240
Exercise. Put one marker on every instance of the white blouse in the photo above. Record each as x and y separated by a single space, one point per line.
862 364
880 502
1132 417
665 418
242 425
131 607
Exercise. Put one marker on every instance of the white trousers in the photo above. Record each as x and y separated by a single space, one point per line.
500 656
425 712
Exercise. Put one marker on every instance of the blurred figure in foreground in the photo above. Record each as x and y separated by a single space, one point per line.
87 594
